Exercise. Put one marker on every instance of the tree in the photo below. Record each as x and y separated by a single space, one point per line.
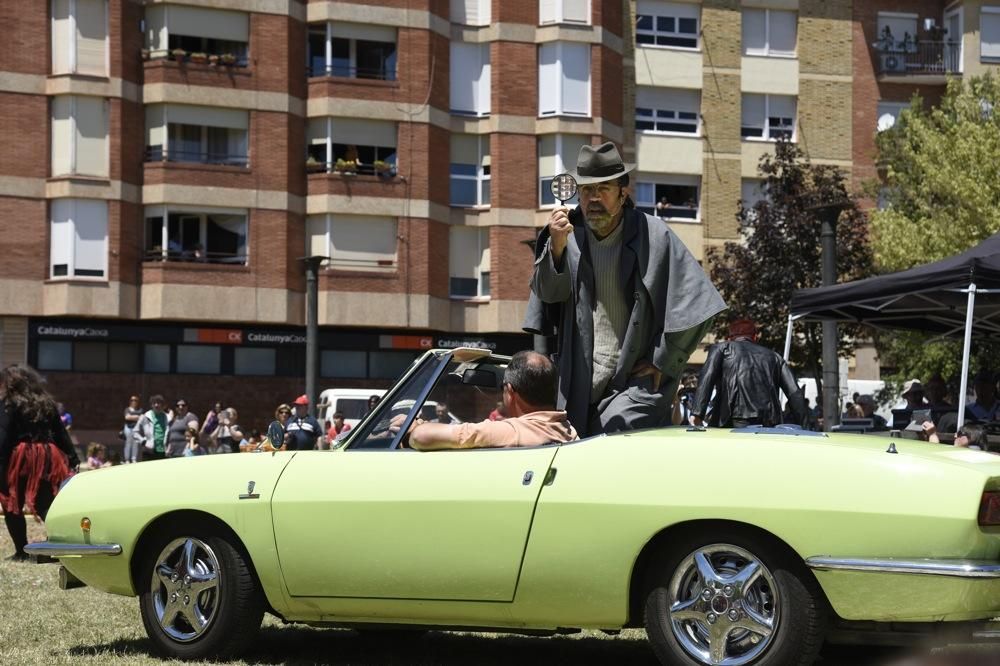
779 252
940 195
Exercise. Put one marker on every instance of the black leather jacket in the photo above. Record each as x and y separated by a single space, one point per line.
746 378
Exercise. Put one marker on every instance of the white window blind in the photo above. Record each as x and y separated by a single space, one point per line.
564 11
62 135
989 27
91 37
469 262
79 136
369 32
362 242
209 23
362 132
470 170
78 238
768 116
470 79
470 12
564 79
769 32
557 153
63 57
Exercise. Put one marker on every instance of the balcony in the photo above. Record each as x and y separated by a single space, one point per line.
917 61
380 168
159 154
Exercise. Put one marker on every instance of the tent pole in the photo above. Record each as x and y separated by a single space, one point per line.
788 338
966 348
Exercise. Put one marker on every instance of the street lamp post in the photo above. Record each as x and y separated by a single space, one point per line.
312 265
828 214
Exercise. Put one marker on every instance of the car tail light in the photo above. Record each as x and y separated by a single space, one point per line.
989 509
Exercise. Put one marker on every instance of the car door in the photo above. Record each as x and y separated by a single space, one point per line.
447 525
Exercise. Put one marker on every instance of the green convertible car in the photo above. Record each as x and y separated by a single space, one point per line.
749 546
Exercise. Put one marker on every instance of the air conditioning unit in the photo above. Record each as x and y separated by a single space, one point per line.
893 62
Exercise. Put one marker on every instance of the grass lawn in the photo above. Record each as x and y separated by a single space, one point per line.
43 625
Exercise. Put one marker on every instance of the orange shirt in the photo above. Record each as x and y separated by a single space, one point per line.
529 430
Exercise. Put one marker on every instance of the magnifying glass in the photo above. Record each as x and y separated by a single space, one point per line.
564 188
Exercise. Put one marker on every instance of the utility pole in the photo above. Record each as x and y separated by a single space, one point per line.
312 265
828 214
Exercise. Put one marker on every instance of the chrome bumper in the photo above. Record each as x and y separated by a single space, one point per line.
52 549
953 568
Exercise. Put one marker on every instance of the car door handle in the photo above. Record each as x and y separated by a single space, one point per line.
528 476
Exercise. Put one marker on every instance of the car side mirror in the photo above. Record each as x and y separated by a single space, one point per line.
480 377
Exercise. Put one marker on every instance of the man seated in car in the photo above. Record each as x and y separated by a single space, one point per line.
529 398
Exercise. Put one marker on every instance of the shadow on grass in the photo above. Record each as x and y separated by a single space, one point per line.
305 645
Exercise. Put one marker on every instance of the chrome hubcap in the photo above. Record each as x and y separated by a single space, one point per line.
186 585
724 605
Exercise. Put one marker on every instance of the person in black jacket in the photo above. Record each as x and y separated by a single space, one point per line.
36 453
745 377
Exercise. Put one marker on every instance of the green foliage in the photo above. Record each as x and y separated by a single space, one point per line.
941 176
779 252
941 194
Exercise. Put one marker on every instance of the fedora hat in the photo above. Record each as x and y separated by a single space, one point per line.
597 164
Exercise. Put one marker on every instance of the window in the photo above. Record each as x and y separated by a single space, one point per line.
897 33
78 239
989 28
564 79
769 32
470 79
388 364
79 136
674 199
180 31
470 170
123 357
180 234
352 50
470 12
666 24
557 154
768 117
469 262
200 134
360 242
564 11
156 358
351 144
752 192
90 356
55 355
80 37
199 359
254 361
346 364
670 110
888 114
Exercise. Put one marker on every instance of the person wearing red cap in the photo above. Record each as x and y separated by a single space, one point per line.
302 430
745 377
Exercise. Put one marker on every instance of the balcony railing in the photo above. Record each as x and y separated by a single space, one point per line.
374 73
157 154
908 58
194 257
198 57
383 169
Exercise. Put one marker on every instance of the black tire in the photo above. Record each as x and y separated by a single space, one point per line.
234 608
798 618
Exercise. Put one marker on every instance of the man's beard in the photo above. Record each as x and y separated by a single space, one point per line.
600 220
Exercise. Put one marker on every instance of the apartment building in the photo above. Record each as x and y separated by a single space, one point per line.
167 164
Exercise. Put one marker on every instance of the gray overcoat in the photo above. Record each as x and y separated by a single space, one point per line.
672 305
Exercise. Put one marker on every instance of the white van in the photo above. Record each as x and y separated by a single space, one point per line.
352 402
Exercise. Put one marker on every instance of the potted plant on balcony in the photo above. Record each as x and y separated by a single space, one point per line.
312 164
199 57
384 169
213 60
228 59
179 54
346 167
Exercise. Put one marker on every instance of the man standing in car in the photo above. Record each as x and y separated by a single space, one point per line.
629 301
745 377
302 430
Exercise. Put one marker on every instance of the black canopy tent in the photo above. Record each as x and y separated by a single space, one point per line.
956 296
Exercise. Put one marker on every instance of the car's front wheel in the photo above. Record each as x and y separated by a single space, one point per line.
199 597
733 599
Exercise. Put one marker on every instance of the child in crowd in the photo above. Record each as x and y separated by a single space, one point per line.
193 446
95 455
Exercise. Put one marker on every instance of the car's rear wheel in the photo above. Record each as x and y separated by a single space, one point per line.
734 599
199 598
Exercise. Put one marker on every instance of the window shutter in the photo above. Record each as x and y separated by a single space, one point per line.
576 79
91 238
317 242
156 27
209 23
576 11
364 31
754 31
316 131
91 33
464 149
464 78
62 37
781 106
62 135
548 80
571 145
362 132
484 12
470 12
783 32
483 85
362 242
548 163
208 116
990 28
752 111
548 11
91 120
156 125
463 252
60 237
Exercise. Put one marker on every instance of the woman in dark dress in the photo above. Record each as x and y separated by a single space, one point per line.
36 453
